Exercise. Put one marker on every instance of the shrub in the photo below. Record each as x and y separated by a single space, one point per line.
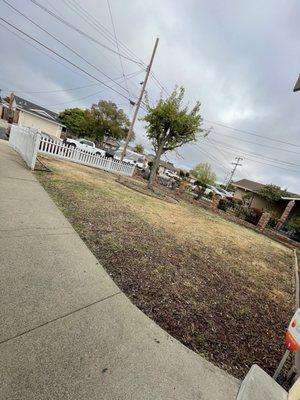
295 223
223 204
251 215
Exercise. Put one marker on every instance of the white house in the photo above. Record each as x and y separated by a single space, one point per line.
31 115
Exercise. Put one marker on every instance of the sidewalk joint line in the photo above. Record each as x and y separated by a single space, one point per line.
19 179
40 234
61 317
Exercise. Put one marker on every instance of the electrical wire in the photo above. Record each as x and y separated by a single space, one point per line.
117 44
46 54
63 58
61 42
251 133
87 17
252 154
73 27
271 147
69 89
77 99
257 143
83 13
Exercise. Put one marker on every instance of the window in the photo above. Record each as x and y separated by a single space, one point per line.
87 142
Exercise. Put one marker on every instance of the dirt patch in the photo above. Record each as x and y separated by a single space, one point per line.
221 289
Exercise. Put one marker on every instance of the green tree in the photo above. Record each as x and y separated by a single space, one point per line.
204 175
74 120
272 193
105 119
171 125
139 148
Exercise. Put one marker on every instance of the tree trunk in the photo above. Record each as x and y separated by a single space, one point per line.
155 166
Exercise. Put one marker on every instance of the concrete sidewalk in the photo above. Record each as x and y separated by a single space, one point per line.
66 330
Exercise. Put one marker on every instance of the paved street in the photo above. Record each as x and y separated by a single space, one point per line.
66 330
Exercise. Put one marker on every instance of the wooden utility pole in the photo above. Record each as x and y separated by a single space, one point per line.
236 164
139 101
10 108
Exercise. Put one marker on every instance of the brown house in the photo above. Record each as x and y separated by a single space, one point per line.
245 186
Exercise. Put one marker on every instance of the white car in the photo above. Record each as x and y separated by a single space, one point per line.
217 191
171 174
86 145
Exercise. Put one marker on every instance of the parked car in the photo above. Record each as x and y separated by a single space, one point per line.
85 145
217 191
171 174
227 194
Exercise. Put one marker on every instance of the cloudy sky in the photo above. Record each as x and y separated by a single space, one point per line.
240 59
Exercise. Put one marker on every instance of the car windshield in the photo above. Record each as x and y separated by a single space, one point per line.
87 142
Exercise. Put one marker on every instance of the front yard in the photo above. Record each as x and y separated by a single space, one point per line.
224 291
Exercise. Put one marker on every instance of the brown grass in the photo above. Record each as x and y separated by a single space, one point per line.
223 290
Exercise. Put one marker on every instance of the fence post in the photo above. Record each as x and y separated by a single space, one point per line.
263 222
36 146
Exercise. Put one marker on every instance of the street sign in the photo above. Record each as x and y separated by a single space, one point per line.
292 337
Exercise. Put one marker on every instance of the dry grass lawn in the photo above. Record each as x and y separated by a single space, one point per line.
221 289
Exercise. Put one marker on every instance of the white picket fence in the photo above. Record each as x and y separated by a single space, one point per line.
29 142
26 142
60 150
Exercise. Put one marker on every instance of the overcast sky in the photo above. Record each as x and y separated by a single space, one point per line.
240 59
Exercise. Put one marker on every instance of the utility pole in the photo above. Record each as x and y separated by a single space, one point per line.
236 164
10 108
139 101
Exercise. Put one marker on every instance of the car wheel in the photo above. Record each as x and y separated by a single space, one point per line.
72 145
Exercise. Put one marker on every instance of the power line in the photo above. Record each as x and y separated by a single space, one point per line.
92 44
274 161
75 100
64 58
258 155
86 16
263 145
103 30
212 157
62 43
71 26
251 133
117 44
43 52
67 89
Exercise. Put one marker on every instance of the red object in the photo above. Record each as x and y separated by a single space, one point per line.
290 342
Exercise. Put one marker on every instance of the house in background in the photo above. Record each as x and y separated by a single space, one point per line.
131 156
166 167
245 186
30 115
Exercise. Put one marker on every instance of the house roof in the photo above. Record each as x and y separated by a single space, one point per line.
253 186
168 165
27 106
246 184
